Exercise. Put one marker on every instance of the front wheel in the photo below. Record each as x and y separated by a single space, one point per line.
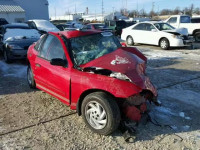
30 79
100 113
6 57
164 44
129 41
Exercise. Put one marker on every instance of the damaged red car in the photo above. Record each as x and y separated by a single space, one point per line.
92 73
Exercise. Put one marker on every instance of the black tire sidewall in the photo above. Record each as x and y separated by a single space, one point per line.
6 57
107 102
32 84
167 41
195 37
131 44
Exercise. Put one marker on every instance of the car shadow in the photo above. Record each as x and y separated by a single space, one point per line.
13 77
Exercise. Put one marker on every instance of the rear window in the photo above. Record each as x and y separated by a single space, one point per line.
185 19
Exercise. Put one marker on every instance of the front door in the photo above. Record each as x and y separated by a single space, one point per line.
55 80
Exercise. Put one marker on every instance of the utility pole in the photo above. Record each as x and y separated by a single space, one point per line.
102 11
55 12
75 9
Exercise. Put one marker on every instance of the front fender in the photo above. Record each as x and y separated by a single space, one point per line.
83 81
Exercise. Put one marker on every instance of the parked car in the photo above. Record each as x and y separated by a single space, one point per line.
156 33
43 26
116 26
15 40
184 21
98 27
62 27
3 21
90 72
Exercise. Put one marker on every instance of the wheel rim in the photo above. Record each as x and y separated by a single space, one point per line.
129 41
29 76
96 115
163 44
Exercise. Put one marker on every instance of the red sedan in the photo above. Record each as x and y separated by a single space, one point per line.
92 73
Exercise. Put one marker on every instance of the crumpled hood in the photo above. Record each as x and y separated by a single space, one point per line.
127 63
182 31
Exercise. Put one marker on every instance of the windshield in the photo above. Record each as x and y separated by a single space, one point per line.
18 34
44 24
163 26
88 48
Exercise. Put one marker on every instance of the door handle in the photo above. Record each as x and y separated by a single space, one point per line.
37 65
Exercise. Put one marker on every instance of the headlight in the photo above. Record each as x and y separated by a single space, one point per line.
177 37
120 76
14 46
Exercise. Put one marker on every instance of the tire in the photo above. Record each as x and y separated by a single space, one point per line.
164 44
129 41
197 37
6 57
30 78
101 113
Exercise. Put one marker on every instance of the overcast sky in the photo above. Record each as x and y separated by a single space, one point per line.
59 7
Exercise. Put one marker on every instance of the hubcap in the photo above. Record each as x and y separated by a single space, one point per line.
129 41
96 115
163 44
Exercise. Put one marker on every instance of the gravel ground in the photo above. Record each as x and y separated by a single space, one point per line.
32 119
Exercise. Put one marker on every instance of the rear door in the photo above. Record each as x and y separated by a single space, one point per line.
55 80
138 33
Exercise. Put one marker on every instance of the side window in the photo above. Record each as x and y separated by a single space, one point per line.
172 20
185 19
149 27
56 50
45 47
40 42
89 27
32 25
140 27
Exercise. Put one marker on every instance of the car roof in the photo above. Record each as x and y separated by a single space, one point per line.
77 33
16 25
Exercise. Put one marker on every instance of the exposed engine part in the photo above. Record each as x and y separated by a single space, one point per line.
120 76
107 72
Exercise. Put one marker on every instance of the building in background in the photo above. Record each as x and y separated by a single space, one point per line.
11 11
35 9
68 17
21 10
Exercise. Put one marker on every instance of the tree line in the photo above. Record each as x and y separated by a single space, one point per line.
191 10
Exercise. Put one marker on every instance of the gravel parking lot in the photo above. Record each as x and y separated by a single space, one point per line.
32 119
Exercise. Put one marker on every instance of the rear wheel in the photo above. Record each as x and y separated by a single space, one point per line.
129 41
30 78
197 37
6 57
164 43
100 113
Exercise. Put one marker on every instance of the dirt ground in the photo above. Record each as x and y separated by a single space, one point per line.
31 119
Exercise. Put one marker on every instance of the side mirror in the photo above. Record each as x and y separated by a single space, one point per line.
153 30
58 62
